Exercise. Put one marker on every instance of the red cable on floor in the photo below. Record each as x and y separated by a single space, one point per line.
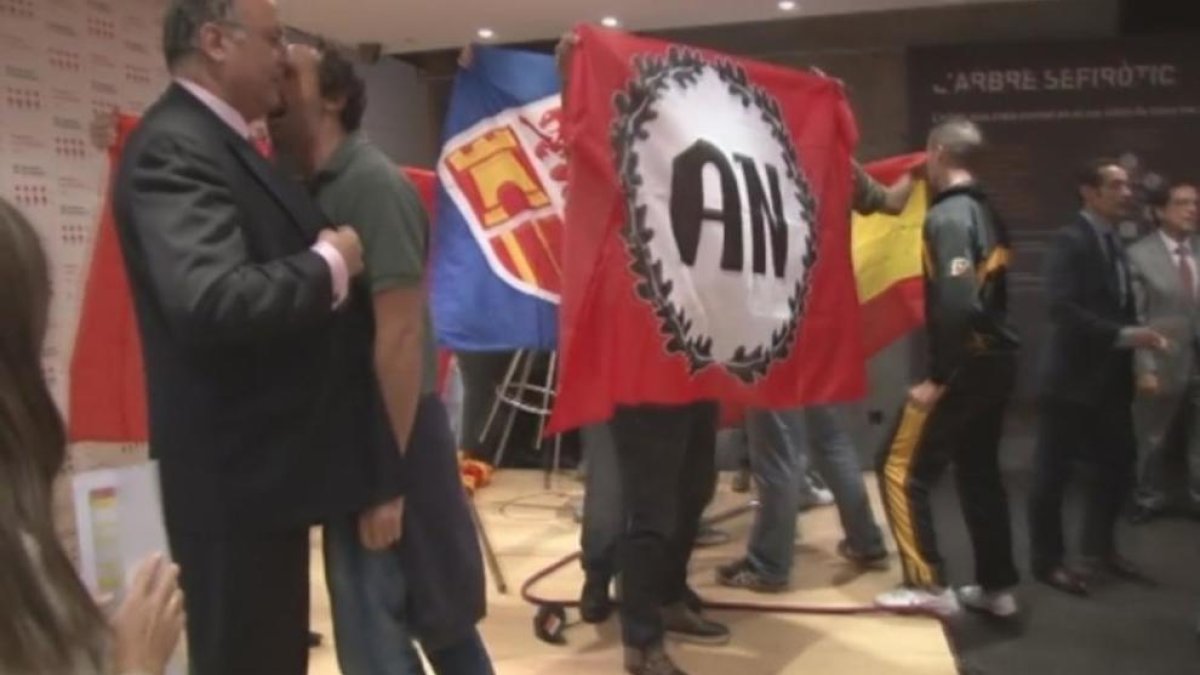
550 620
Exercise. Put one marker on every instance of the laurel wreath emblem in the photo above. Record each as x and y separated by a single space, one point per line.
635 105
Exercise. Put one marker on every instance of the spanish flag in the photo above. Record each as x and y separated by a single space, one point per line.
887 260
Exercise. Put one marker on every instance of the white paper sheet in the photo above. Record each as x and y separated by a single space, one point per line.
118 513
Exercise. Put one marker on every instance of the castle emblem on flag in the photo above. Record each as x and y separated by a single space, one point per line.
507 176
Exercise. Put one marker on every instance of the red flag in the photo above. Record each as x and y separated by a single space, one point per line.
426 183
707 247
108 386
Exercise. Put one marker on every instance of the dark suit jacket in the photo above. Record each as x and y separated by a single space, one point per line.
264 412
1082 363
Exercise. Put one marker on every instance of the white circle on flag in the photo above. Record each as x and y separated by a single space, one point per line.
722 218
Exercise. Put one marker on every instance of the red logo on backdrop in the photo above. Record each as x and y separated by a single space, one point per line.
70 148
23 98
507 175
63 59
105 29
137 75
29 195
17 9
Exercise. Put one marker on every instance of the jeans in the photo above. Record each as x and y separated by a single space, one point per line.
667 464
368 595
779 463
602 514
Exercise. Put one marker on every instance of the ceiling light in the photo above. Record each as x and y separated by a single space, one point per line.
486 33
787 5
610 22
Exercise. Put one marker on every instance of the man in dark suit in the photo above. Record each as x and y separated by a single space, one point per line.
256 342
1087 382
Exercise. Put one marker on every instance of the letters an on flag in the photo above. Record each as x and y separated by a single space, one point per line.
496 272
706 253
887 260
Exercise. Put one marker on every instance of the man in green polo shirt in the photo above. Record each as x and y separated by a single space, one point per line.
410 567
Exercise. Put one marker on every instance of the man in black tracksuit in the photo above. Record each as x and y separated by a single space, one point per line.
955 416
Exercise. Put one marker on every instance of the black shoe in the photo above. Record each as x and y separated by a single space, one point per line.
741 574
1064 580
594 604
1140 515
876 562
651 660
692 627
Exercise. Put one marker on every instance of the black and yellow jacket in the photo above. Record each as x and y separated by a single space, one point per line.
966 287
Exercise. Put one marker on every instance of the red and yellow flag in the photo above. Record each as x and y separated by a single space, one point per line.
887 260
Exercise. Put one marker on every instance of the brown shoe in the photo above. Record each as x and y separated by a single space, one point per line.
1065 580
652 660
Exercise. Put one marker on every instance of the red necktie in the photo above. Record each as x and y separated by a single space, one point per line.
1185 271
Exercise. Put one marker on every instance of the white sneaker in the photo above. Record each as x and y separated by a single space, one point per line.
818 497
905 600
1000 604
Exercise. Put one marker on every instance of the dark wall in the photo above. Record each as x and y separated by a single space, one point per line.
866 51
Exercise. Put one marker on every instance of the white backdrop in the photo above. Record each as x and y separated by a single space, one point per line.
61 61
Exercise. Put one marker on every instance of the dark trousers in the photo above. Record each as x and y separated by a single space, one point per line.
666 460
247 602
1100 434
481 373
963 429
602 516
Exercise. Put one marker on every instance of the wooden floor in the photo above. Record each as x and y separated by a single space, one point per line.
531 528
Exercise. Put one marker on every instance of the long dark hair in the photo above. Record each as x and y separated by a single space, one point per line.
48 620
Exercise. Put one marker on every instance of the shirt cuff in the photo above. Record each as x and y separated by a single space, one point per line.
337 270
1125 338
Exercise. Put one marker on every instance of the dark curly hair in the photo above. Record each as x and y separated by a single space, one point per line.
340 80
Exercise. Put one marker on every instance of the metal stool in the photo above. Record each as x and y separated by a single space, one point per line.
520 393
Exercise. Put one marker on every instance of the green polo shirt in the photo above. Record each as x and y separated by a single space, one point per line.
359 186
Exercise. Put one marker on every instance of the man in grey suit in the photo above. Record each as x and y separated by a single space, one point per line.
1166 280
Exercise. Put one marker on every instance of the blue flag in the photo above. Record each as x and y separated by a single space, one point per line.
496 269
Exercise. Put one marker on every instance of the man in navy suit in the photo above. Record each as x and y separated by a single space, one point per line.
1087 382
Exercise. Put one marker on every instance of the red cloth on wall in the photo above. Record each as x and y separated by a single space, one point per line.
107 384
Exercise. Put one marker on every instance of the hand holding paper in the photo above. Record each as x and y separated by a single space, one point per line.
150 620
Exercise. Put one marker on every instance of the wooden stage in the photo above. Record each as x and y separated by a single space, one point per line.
531 528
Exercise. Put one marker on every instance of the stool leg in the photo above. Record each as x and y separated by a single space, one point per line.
544 418
489 553
497 399
513 410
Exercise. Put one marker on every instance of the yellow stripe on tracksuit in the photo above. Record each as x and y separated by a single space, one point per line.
897 475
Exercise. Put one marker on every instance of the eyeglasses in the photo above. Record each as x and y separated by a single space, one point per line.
273 37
